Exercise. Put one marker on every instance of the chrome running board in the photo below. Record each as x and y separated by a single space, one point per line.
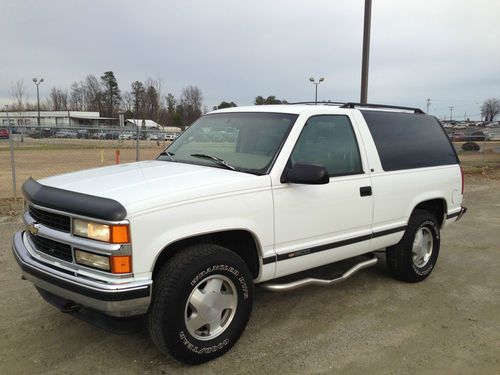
312 281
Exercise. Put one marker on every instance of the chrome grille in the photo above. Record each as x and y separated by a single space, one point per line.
50 219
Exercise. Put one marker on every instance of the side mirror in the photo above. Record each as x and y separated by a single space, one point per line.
309 174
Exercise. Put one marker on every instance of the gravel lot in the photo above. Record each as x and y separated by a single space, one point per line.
448 324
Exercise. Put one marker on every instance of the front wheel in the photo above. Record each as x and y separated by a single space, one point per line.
415 256
202 300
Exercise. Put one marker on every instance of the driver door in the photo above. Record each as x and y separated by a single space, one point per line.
320 224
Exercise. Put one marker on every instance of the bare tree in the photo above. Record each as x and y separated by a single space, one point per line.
77 97
94 97
490 109
18 96
127 101
191 103
155 99
58 100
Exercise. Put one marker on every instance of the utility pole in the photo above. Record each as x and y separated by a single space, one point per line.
366 51
37 83
451 112
428 105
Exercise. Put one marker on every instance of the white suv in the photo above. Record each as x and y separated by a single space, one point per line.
287 188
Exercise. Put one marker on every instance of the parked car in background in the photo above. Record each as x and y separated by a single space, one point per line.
114 134
475 136
493 136
66 134
82 133
458 137
125 136
493 124
4 133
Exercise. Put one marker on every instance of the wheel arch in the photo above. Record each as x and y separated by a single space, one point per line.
437 206
241 241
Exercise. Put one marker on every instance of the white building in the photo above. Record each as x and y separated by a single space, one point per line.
148 124
56 119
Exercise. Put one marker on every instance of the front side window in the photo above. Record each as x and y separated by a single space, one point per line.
246 142
329 140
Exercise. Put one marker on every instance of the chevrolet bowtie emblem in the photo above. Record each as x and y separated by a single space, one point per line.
32 228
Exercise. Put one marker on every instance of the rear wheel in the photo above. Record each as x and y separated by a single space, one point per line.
202 300
415 256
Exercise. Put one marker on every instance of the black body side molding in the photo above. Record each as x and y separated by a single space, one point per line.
73 202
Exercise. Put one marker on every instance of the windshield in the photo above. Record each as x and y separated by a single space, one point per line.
246 142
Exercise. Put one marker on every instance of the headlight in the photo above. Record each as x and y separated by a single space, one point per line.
113 263
101 232
92 260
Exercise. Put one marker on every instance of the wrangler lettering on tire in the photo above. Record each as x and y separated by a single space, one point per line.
202 300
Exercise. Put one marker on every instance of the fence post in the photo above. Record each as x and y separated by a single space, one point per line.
137 142
12 160
484 150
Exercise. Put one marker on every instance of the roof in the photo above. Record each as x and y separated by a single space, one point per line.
93 118
273 108
82 114
147 123
328 107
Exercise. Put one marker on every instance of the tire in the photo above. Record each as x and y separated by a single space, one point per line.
201 283
410 259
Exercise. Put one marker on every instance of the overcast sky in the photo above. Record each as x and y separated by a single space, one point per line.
445 50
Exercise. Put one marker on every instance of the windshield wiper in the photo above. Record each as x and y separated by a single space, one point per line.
216 159
169 154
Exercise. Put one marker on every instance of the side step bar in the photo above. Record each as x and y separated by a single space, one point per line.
312 281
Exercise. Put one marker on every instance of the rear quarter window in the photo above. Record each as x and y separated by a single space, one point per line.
407 140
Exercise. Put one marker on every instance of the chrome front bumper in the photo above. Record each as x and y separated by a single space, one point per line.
120 299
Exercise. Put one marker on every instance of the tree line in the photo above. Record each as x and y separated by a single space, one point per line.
143 100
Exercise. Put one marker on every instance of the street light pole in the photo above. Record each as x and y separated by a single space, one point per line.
428 105
37 83
451 112
316 88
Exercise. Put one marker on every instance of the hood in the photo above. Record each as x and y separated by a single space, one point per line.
132 183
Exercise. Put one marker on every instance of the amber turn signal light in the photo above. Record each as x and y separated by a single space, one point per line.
119 234
121 263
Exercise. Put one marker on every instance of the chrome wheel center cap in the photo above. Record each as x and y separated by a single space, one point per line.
211 306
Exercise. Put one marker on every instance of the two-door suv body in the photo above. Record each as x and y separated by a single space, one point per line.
245 195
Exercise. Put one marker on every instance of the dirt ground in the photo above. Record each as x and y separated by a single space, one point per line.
41 158
448 324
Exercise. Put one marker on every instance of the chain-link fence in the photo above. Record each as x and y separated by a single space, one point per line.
477 147
44 151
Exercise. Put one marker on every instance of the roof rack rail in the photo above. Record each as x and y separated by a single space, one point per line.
369 105
322 102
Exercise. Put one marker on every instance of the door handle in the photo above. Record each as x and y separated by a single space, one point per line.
365 191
